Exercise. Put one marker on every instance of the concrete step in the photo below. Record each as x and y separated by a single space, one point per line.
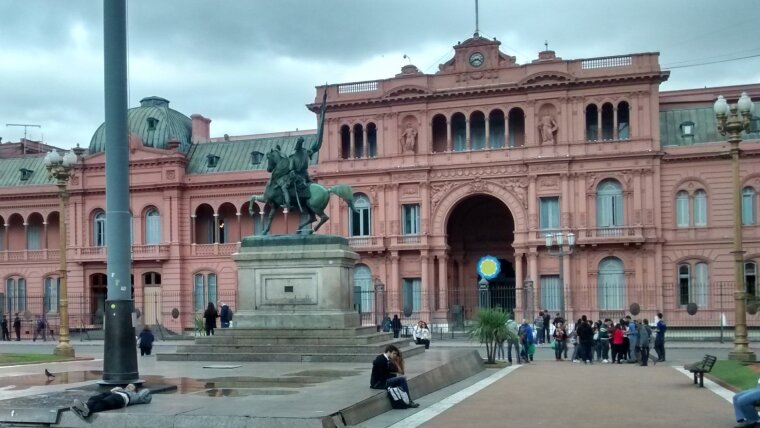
295 356
297 332
292 340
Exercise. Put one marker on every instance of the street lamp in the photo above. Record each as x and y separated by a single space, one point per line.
732 120
560 251
59 168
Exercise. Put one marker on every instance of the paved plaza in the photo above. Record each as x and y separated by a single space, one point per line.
545 393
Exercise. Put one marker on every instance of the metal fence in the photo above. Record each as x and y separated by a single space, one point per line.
452 311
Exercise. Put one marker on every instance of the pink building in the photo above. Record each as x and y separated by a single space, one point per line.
484 157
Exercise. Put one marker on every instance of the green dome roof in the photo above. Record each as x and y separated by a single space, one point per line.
155 123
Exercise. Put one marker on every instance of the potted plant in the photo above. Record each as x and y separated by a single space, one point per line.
490 327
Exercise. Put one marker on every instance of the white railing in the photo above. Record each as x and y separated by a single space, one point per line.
350 88
607 62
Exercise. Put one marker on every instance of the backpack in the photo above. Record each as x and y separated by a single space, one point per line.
399 398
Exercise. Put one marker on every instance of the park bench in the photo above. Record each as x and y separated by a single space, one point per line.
701 367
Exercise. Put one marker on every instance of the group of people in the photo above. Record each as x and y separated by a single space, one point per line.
40 328
420 333
16 328
211 314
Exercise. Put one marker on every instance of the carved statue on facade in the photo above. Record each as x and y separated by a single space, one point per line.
409 139
290 186
546 128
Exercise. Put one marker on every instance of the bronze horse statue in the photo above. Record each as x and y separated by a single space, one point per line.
311 207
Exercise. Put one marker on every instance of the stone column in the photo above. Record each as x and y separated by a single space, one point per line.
26 236
532 202
533 271
192 228
5 244
239 228
427 290
216 228
352 143
449 146
637 208
519 279
393 282
365 142
468 137
45 232
443 287
506 130
488 134
614 123
565 201
462 285
599 134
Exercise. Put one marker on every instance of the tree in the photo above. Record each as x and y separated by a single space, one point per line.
490 327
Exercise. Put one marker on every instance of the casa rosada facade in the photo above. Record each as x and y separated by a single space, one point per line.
484 157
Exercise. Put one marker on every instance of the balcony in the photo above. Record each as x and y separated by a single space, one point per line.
89 254
150 252
411 242
614 234
206 250
29 256
367 243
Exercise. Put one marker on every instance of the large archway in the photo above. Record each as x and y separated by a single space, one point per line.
480 225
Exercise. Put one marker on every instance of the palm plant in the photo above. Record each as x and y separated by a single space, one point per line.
490 327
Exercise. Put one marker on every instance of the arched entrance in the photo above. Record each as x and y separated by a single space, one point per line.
480 225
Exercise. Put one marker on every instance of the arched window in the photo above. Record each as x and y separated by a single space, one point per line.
15 295
439 134
372 140
360 217
496 129
611 284
459 132
345 142
152 227
750 278
477 131
748 206
99 229
358 141
700 208
52 293
608 121
623 118
609 205
34 230
516 125
682 209
204 290
591 123
363 290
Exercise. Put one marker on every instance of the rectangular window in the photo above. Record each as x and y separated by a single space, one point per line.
211 291
684 284
551 292
748 206
15 294
52 291
682 209
410 218
152 228
700 208
412 295
198 292
549 212
701 291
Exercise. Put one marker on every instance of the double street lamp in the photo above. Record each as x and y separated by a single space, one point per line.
732 121
59 168
560 251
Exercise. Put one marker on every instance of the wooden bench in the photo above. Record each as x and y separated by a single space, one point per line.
700 368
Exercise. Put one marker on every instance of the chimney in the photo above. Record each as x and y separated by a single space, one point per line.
201 129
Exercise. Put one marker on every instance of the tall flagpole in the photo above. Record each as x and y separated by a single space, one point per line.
477 26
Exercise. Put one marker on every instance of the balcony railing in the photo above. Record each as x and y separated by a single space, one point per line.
213 249
150 252
591 235
28 255
366 243
410 241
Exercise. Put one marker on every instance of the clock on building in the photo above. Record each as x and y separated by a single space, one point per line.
477 59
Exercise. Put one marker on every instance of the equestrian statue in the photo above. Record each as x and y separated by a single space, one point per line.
290 186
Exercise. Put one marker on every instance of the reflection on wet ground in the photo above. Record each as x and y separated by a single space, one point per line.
231 386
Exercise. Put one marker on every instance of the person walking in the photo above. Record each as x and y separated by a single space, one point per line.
396 326
512 342
559 340
645 334
145 341
659 338
210 316
526 340
6 332
17 327
382 377
546 331
538 328
618 344
40 329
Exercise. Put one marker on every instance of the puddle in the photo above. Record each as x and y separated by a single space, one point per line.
230 386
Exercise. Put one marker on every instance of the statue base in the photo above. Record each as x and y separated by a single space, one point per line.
295 281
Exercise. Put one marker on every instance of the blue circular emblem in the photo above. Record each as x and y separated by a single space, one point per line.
489 267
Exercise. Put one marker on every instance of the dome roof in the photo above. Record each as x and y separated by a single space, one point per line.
155 123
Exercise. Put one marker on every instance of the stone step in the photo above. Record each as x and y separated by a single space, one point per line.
283 349
296 356
291 340
297 332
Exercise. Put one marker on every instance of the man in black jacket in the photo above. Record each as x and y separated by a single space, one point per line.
382 377
586 339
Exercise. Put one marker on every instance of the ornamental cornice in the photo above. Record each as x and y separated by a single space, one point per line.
480 171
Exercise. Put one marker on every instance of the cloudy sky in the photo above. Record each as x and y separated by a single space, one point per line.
252 65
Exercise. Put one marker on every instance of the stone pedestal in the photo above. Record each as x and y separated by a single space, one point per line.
295 281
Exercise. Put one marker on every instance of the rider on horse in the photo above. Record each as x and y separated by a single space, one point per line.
299 165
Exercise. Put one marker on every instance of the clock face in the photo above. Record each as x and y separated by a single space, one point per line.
477 59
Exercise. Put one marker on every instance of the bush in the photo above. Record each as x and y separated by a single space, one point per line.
490 327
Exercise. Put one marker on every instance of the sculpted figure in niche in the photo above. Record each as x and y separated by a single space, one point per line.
547 128
409 139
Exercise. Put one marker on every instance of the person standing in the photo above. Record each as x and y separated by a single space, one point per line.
6 333
40 329
618 344
17 327
382 377
546 330
604 340
396 326
145 341
225 315
538 325
559 340
514 328
586 340
526 340
210 316
659 339
633 340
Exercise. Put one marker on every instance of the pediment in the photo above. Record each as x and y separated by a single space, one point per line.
407 90
547 77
